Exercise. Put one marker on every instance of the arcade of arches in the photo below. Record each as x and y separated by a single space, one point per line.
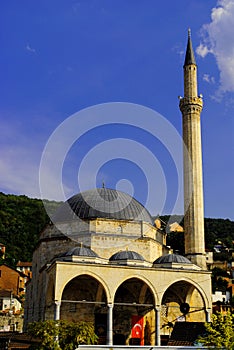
130 296
124 309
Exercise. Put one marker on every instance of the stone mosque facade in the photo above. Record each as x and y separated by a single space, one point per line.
103 259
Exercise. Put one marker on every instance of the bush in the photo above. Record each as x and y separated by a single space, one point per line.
65 335
220 332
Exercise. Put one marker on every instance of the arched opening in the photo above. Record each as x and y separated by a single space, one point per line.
179 294
134 314
84 299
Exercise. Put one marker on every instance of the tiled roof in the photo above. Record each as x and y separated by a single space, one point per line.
186 333
24 264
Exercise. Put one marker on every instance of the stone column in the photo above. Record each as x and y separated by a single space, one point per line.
157 326
208 315
57 305
110 325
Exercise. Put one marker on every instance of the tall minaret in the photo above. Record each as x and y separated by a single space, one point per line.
191 107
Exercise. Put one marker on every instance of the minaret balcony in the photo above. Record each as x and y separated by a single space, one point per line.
191 104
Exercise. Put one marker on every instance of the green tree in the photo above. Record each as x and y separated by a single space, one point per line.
21 220
47 331
219 332
72 334
218 279
65 335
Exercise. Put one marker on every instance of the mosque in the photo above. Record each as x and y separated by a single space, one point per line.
105 261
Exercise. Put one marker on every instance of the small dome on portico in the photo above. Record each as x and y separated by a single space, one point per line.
126 255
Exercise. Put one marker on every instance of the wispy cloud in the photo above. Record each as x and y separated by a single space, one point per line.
202 50
178 50
19 157
30 49
209 79
218 41
19 171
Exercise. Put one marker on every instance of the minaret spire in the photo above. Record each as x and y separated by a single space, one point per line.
189 57
190 71
191 106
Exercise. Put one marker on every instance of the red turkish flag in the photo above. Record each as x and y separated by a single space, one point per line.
137 328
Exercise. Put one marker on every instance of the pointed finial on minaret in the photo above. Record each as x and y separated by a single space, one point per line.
189 33
189 57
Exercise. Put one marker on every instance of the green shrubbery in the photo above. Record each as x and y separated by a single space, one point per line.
62 335
219 332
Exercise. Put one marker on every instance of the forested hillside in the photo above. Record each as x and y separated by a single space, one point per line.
216 230
22 219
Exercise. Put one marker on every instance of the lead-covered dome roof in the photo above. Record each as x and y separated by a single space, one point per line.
126 255
102 203
172 258
81 251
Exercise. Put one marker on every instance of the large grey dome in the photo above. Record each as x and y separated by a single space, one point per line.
126 255
172 258
102 203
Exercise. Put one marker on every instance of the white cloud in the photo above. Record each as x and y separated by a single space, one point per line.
218 40
208 79
30 49
202 50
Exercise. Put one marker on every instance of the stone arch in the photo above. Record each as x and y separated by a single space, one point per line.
193 284
146 281
134 312
82 298
58 294
182 291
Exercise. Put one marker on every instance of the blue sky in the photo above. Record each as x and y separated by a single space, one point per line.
59 57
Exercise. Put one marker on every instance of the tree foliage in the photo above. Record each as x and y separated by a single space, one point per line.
215 230
218 279
21 220
62 335
220 332
219 230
